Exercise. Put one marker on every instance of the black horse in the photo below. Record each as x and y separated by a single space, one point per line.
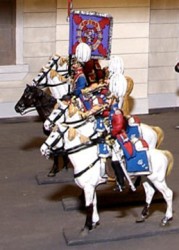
35 98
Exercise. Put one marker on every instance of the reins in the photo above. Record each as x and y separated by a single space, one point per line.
46 84
86 169
45 73
58 116
61 136
74 149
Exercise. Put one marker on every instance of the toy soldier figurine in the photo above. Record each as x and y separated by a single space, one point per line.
83 54
93 71
80 83
118 125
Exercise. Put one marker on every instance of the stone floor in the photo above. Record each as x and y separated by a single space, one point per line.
33 217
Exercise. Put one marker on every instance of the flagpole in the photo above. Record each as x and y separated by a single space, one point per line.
70 7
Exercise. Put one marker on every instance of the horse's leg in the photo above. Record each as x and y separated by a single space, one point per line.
168 197
65 161
89 192
95 217
137 181
149 192
55 168
119 175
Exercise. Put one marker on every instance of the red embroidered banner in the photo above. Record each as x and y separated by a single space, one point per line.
92 28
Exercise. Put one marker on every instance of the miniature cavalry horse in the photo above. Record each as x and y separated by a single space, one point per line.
35 98
87 171
153 135
57 83
70 115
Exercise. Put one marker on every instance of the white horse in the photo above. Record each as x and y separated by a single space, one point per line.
87 171
153 135
67 113
59 64
57 83
55 76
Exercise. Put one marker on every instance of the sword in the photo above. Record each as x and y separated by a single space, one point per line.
117 152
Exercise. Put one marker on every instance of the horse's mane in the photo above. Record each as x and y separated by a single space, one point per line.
44 102
46 98
54 73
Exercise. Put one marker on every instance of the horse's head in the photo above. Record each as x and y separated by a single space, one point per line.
54 141
41 80
27 101
56 117
35 98
59 64
53 62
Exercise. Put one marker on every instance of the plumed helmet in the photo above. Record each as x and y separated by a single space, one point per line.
83 52
118 84
116 65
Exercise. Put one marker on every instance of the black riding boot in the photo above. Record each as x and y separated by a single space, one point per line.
119 175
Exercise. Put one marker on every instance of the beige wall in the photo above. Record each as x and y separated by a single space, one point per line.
163 54
39 33
36 42
145 35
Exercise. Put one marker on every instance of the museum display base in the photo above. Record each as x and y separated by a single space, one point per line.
122 226
119 231
61 177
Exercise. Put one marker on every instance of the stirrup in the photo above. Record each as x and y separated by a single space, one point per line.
119 188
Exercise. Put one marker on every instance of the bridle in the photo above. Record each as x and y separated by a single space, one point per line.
54 143
52 122
45 73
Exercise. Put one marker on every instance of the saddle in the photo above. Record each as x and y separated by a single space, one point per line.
133 127
135 154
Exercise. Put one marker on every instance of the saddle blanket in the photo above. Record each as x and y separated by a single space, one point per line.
135 154
138 165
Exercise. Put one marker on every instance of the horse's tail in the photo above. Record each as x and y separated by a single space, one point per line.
160 135
126 102
170 158
130 85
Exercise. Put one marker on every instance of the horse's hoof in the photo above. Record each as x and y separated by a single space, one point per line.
51 174
140 219
95 225
166 221
84 232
